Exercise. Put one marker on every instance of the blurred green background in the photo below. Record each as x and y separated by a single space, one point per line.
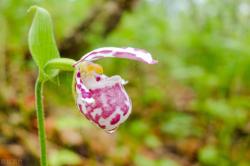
192 108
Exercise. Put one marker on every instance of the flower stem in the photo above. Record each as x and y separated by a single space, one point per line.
40 120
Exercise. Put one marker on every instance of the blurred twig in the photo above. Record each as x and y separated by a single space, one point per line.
101 21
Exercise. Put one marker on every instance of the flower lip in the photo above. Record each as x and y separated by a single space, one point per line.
104 102
115 52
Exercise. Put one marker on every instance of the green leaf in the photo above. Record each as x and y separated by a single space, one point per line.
41 41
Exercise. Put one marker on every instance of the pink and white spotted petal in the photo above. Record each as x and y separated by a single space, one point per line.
115 52
81 90
111 105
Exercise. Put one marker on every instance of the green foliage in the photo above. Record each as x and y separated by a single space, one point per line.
152 141
138 128
64 157
209 155
180 125
71 122
167 162
41 40
152 94
141 160
199 91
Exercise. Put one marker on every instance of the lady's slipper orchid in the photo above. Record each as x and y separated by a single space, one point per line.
103 100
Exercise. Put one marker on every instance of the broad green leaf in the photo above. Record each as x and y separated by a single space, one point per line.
41 40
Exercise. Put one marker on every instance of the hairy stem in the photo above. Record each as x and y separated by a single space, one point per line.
40 121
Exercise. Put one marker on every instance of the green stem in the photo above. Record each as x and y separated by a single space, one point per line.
40 120
64 64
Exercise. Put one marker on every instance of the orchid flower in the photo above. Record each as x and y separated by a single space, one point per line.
102 99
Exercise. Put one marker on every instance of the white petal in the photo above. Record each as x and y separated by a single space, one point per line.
115 52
